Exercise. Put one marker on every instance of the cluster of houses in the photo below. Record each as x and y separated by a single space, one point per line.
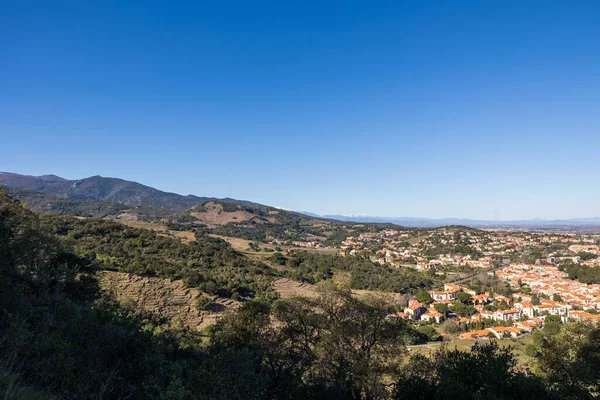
550 281
418 311
310 245
397 247
499 332
459 261
519 312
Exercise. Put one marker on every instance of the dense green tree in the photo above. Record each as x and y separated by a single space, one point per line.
202 302
334 344
428 331
442 308
463 297
423 297
556 297
463 310
570 360
278 258
486 372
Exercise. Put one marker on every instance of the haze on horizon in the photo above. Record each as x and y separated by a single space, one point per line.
437 110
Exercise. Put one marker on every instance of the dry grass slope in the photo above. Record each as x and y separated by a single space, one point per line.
215 215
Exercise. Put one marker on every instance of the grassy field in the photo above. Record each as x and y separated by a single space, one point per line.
517 345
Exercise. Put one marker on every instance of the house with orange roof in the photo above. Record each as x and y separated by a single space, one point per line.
414 309
402 315
442 295
480 299
432 315
526 326
512 314
503 331
526 308
483 334
450 287
582 315
500 298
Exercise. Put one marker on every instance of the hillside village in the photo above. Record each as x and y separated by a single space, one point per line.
528 263
539 292
459 246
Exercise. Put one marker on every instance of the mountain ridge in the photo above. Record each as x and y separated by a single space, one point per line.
112 190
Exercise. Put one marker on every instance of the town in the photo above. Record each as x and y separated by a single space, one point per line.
528 264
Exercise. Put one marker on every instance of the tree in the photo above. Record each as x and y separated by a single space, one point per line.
449 326
278 258
348 343
551 328
202 302
552 318
463 297
441 308
429 331
463 310
556 297
535 300
570 360
423 297
487 371
333 343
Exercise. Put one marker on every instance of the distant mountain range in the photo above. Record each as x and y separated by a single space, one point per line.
89 194
432 223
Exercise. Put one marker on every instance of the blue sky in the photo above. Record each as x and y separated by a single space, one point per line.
480 109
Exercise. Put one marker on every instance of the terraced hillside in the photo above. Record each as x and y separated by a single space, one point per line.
163 297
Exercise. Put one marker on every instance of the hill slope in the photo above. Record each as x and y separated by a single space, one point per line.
113 190
109 197
51 204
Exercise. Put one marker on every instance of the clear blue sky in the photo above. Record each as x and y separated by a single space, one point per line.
403 108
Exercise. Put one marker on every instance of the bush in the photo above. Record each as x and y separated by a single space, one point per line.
202 302
429 331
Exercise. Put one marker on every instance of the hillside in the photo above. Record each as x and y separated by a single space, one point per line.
51 204
51 193
131 202
164 298
112 190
